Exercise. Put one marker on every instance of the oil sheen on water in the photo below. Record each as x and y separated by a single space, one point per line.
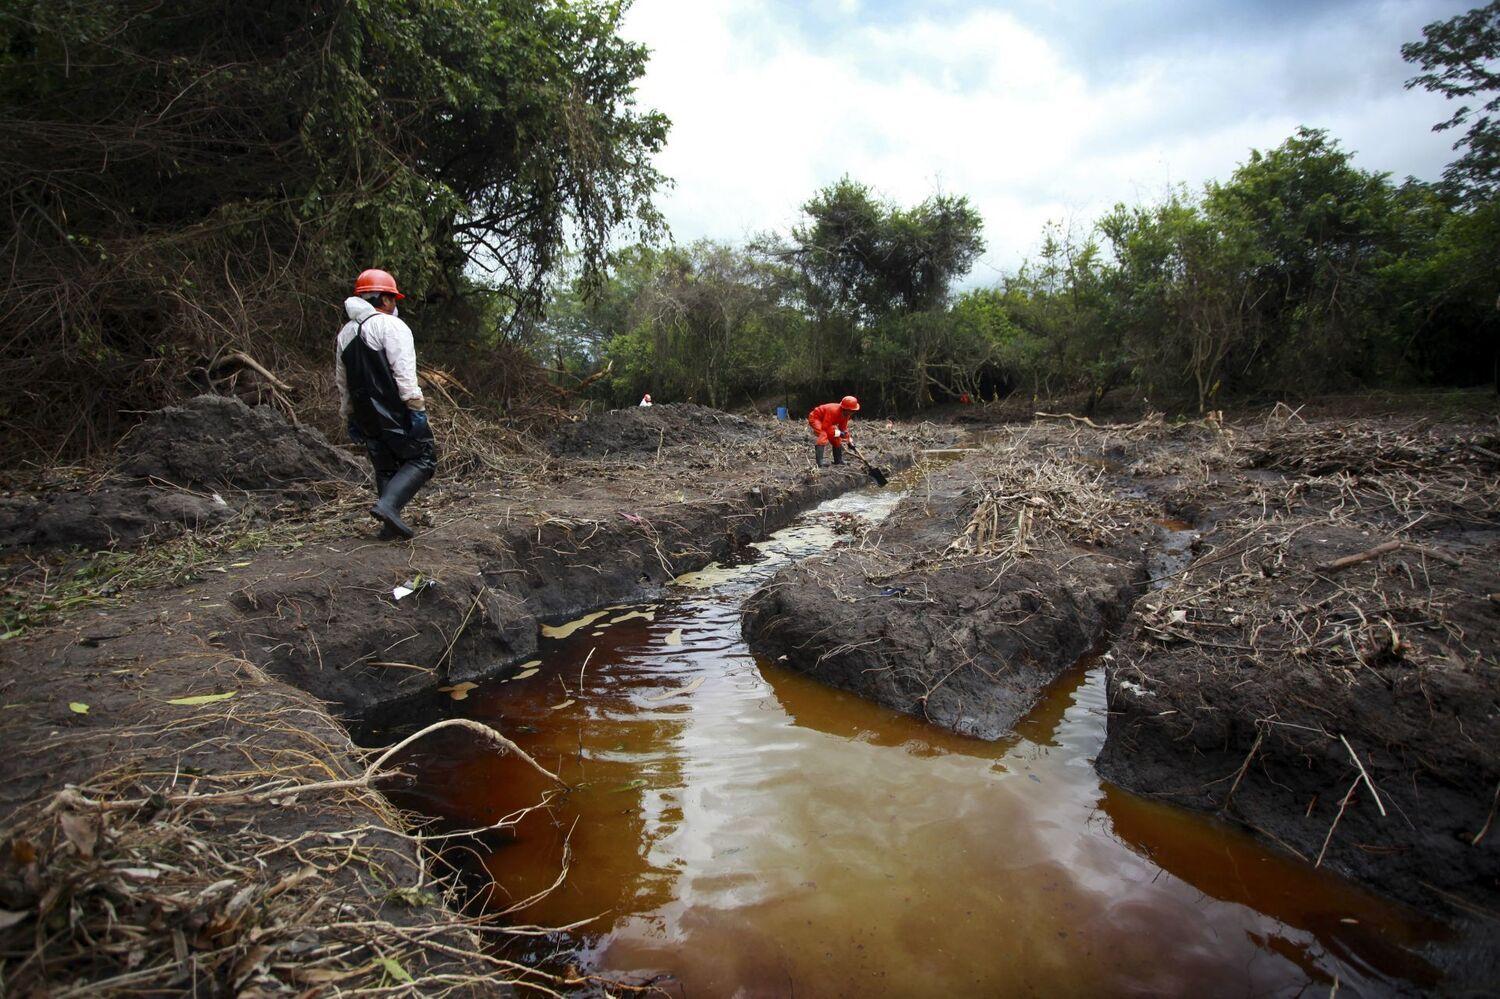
736 828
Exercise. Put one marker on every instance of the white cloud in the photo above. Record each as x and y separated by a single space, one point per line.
981 104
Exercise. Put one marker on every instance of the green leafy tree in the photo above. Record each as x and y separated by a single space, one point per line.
195 176
1322 230
1458 58
710 325
868 269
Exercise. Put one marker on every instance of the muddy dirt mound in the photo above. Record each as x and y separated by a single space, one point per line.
217 442
643 430
996 575
109 517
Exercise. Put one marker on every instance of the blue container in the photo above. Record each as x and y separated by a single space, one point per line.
780 412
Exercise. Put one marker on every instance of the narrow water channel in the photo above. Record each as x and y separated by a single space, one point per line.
735 828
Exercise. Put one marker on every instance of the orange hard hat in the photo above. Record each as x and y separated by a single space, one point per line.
376 280
850 403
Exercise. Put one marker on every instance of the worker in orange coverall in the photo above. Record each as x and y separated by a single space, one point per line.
830 427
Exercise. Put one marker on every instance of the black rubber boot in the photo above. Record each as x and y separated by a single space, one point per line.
398 492
838 455
382 479
818 454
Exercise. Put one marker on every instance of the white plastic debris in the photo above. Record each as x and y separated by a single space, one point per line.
415 585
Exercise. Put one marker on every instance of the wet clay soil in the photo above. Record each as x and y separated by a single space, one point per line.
738 828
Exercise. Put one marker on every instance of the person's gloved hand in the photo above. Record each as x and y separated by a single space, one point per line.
355 434
419 424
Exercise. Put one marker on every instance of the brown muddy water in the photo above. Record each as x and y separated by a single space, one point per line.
735 828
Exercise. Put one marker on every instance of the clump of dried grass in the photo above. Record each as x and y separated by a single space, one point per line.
120 888
1022 505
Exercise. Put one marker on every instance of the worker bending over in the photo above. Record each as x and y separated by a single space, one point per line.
380 400
830 427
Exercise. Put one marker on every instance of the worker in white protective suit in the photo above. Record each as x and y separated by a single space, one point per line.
380 399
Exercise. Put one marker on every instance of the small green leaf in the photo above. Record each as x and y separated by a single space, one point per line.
393 968
193 702
78 707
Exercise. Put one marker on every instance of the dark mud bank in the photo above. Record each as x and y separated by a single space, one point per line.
1326 671
336 629
950 612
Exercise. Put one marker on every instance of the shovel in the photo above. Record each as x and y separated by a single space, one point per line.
878 474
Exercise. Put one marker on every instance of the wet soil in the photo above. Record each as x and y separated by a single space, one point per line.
1349 713
217 441
734 827
649 430
967 640
108 517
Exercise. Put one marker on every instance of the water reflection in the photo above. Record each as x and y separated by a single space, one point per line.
738 828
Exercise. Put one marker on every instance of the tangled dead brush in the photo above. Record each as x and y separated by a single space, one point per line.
1346 609
111 891
1368 447
1024 504
1416 472
1374 492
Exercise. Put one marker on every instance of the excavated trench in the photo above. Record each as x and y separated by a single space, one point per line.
735 827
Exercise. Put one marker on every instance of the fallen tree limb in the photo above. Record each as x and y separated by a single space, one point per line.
1348 561
245 360
1069 416
1365 775
71 798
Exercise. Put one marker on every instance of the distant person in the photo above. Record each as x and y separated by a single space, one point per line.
830 428
646 399
380 399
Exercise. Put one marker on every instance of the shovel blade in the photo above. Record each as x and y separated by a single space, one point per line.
878 474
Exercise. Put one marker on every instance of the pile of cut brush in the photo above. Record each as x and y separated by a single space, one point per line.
1024 503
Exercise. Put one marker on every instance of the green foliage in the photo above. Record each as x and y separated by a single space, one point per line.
859 295
869 259
1299 273
704 324
1458 58
195 176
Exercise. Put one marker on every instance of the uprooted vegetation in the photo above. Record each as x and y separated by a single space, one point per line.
1023 507
227 842
1326 670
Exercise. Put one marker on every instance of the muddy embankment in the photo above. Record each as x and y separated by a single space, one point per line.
1319 664
222 834
995 574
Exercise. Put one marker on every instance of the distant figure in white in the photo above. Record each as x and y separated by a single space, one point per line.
646 399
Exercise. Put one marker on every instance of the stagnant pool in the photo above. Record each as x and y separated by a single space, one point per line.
735 828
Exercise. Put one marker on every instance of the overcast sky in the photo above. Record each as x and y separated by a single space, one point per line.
1035 109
